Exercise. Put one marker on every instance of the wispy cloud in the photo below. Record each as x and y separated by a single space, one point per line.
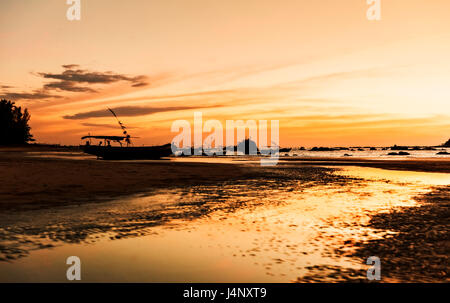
73 76
128 111
33 95
106 125
67 86
72 79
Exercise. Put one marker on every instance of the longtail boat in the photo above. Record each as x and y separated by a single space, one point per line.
125 150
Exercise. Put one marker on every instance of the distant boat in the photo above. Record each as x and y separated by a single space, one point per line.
105 151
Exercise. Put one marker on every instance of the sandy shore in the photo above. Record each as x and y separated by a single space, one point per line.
34 181
418 252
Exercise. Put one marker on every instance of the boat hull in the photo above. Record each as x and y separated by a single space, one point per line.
128 153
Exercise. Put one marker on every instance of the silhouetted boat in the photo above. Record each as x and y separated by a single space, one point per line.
105 151
127 152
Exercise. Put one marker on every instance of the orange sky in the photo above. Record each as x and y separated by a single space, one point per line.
330 76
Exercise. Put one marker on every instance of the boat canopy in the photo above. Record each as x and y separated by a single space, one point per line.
112 138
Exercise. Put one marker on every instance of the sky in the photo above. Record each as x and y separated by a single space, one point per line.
329 75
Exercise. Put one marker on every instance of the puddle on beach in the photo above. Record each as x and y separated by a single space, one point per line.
60 155
400 176
274 229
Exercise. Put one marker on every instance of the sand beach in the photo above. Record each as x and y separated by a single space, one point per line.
304 220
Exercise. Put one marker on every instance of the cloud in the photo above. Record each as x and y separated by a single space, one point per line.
34 95
73 76
105 125
72 79
128 111
339 76
67 86
70 66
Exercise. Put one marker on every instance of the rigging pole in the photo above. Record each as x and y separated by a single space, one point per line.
124 129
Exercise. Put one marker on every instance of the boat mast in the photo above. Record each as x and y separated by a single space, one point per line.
124 129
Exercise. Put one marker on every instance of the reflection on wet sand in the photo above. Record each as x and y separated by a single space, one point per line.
283 224
124 217
418 249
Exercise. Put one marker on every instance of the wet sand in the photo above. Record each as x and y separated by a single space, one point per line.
414 245
297 222
438 165
33 182
39 181
420 249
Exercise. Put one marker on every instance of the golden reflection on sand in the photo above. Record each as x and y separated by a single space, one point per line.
396 175
262 242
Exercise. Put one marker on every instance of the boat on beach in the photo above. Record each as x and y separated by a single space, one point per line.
125 151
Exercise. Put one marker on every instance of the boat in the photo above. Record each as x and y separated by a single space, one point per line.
125 151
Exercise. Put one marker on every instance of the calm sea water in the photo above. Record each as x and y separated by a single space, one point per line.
367 153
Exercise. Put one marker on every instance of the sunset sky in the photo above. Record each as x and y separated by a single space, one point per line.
330 76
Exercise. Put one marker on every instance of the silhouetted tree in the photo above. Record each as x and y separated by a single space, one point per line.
14 128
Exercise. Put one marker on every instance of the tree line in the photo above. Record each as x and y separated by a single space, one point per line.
14 128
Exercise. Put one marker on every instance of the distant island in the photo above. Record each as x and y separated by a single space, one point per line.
446 144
